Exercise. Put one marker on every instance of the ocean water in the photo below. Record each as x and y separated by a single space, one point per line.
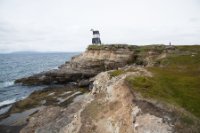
17 65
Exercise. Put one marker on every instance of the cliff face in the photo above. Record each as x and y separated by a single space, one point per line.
108 108
84 66
120 55
108 59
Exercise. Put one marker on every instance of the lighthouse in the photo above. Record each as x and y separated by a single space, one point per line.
96 37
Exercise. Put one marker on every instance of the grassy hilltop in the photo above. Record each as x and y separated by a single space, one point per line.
176 78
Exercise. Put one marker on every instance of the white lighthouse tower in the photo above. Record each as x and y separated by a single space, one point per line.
96 37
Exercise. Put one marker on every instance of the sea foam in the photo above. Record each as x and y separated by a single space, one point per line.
6 84
7 102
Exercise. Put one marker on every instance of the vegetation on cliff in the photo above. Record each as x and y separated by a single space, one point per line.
175 80
111 47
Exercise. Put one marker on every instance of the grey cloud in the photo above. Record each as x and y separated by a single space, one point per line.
195 20
64 25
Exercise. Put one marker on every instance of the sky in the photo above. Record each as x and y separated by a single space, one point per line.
64 25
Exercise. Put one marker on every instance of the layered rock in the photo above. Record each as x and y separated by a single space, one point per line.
109 108
84 66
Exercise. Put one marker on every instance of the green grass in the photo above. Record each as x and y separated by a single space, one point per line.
189 48
177 82
111 47
143 50
116 73
95 47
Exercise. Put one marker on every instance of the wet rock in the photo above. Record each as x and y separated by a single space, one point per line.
84 83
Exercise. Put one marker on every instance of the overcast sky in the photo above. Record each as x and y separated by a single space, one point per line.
64 25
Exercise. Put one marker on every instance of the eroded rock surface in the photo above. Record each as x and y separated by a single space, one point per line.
108 108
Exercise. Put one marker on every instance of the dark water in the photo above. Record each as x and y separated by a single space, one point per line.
18 65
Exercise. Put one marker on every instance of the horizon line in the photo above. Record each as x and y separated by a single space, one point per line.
21 52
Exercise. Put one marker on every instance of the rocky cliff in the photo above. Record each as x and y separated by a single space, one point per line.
110 107
95 59
152 89
84 66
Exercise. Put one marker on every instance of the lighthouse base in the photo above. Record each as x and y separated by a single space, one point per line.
96 41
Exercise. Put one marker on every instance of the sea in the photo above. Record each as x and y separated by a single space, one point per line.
17 65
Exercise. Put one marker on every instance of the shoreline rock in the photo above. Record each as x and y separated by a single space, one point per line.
83 67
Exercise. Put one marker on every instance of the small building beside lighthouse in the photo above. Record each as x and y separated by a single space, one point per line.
96 37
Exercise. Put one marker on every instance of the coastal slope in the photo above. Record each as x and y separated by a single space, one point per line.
108 108
117 89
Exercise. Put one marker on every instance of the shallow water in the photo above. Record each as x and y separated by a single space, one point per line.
19 118
18 65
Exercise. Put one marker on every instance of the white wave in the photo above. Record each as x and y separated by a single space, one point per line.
23 97
6 84
6 102
54 67
5 109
